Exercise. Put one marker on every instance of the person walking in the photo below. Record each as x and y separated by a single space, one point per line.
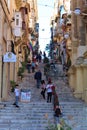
38 77
17 94
55 100
33 66
58 114
49 90
44 54
43 87
29 66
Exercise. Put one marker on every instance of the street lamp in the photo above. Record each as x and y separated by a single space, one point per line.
78 11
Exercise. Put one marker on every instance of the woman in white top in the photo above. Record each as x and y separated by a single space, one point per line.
49 91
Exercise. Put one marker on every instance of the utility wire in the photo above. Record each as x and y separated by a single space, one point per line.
46 5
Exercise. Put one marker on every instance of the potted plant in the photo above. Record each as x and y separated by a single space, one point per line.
20 72
51 126
21 69
64 125
60 126
12 84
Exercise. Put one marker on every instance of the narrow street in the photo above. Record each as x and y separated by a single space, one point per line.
37 113
50 35
33 115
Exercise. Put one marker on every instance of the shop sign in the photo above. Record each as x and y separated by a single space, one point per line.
25 95
17 31
9 57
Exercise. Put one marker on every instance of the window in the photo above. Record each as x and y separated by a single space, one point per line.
17 16
17 22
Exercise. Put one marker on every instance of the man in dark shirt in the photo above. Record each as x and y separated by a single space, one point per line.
38 78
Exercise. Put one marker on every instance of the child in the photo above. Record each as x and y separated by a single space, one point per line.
17 94
43 87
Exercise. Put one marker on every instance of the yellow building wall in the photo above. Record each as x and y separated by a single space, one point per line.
6 13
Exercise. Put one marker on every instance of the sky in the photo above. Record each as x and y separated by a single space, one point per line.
45 12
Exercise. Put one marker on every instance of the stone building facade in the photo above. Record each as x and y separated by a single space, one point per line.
78 70
6 41
15 37
73 21
62 29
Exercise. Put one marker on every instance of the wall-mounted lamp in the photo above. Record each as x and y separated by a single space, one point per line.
66 36
77 11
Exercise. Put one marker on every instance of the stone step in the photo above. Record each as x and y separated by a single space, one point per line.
29 116
24 128
36 114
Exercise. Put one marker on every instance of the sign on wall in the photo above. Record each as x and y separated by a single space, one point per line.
9 57
17 31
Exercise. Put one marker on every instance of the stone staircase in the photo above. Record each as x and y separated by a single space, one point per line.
74 110
29 116
36 114
33 115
